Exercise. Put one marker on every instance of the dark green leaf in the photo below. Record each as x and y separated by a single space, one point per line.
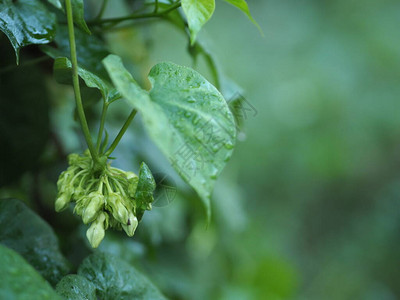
76 287
20 281
116 279
144 190
186 117
197 12
242 5
26 22
62 72
25 232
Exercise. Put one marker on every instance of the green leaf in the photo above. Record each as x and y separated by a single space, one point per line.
144 191
26 233
242 5
79 15
62 71
19 281
26 22
197 12
116 279
186 117
76 287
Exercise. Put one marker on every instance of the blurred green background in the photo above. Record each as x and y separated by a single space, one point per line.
308 207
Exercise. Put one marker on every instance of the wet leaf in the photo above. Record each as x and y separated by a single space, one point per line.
26 22
197 12
19 280
116 279
26 233
76 287
186 117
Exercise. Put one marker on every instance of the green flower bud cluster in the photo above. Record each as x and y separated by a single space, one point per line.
105 200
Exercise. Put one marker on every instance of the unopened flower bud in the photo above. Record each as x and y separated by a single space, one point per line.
96 201
118 210
62 202
130 227
95 234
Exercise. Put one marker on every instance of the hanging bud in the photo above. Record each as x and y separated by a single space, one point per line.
81 204
118 210
96 232
130 227
79 192
62 202
96 201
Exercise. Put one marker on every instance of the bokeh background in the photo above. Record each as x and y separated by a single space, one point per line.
308 207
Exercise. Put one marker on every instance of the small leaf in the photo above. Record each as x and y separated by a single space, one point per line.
25 232
76 287
26 22
242 5
197 12
56 3
144 191
79 16
186 117
20 281
62 72
116 279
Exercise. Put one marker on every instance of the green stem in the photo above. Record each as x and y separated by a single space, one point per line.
75 81
115 21
121 133
101 128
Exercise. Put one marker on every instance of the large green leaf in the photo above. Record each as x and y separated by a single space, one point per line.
26 22
76 287
19 281
197 12
25 232
115 279
242 5
186 117
62 71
